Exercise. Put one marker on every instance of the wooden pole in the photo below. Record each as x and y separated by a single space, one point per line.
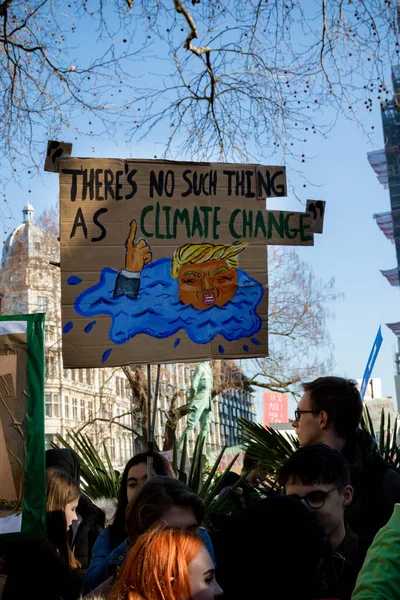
150 433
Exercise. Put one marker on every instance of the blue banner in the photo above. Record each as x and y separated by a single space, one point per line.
371 362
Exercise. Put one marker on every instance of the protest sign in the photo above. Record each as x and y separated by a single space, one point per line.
22 482
275 408
166 261
375 407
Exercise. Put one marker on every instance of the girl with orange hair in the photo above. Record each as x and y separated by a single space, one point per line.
167 564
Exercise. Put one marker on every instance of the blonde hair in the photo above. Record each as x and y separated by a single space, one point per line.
61 489
192 254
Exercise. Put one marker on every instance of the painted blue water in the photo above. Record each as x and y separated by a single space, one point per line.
177 342
68 326
106 355
90 326
256 341
157 311
74 280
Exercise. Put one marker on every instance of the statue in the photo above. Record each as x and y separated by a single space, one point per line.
200 406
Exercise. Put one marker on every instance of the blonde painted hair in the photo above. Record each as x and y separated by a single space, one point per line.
193 254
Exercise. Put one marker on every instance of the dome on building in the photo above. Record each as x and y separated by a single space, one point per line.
33 237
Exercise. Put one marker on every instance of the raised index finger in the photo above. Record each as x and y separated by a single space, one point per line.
132 232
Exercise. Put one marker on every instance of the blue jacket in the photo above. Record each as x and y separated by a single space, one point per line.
106 559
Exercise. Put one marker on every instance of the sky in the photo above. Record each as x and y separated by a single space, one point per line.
351 249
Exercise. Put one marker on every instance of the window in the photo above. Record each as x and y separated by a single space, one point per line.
56 405
121 450
42 303
80 371
48 438
48 406
66 407
75 409
16 304
89 376
90 409
117 386
104 411
73 374
112 448
82 406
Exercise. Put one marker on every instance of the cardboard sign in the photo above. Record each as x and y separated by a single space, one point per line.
55 150
22 464
165 261
317 209
375 407
275 408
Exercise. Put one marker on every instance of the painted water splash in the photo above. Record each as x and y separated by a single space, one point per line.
90 326
106 355
158 312
74 280
68 326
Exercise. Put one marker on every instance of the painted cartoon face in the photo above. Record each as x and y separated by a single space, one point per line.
207 284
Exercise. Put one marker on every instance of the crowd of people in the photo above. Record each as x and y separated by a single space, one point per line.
332 531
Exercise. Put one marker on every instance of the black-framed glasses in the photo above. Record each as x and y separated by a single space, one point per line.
317 498
298 413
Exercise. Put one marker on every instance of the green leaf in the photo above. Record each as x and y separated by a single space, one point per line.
98 478
206 486
182 469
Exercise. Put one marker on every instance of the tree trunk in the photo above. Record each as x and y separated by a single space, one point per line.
173 416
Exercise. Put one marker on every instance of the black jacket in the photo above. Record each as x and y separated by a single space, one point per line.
91 524
339 569
376 486
36 570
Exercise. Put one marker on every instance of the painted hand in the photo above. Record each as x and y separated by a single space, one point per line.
137 253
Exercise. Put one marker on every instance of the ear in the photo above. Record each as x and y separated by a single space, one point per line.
348 494
323 419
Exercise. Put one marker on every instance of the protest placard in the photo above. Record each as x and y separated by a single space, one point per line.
166 261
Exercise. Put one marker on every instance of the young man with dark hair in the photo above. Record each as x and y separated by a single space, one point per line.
319 476
329 412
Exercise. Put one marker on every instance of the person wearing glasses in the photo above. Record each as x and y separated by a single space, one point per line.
319 477
330 412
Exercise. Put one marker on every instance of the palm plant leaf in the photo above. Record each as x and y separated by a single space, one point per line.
394 448
366 421
98 478
266 445
196 465
182 469
388 437
382 434
219 484
206 486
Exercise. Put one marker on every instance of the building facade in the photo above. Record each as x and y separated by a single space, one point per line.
386 164
100 402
